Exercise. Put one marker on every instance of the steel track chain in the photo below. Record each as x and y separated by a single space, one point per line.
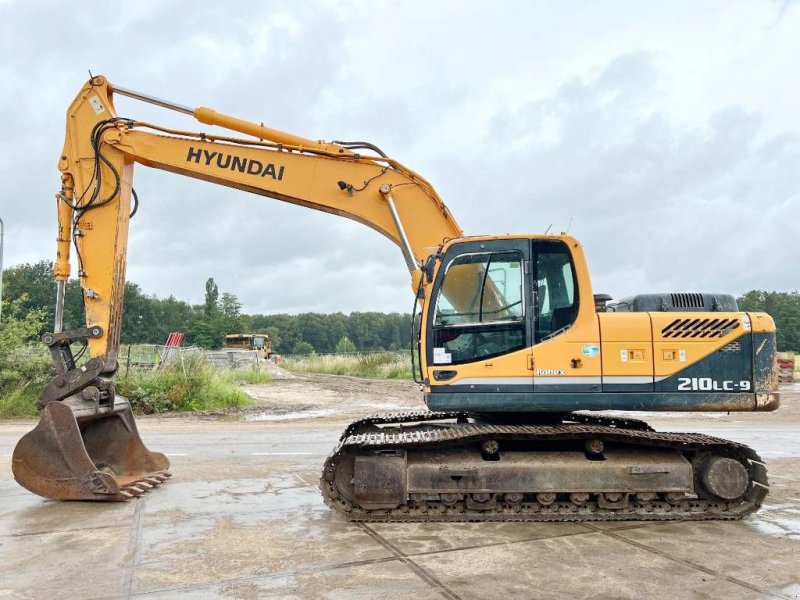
620 422
422 415
607 429
414 416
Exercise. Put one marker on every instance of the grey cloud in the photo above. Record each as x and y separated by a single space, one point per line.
660 203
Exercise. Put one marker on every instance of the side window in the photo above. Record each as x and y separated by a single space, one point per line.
480 310
556 302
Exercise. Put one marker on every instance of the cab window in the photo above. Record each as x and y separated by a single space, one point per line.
555 297
480 309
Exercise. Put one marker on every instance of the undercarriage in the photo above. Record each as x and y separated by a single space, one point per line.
431 467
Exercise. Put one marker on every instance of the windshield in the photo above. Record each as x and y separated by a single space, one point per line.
481 288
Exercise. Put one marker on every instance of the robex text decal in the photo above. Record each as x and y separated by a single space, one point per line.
235 163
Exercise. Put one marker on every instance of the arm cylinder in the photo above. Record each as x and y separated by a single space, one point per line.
58 325
211 117
61 267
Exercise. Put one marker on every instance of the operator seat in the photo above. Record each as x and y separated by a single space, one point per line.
564 316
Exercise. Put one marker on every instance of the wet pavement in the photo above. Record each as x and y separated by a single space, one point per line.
242 518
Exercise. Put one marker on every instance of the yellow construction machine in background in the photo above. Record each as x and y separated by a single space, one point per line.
249 341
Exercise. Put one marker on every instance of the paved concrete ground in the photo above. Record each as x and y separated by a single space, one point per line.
242 518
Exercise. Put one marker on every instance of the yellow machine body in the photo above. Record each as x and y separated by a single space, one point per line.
679 360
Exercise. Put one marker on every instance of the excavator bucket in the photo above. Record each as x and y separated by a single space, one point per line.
85 451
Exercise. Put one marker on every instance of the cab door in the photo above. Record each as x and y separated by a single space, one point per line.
566 334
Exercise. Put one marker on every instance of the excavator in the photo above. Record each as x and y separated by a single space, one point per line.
514 351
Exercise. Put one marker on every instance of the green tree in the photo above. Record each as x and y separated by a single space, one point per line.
35 282
31 285
148 319
211 305
219 317
231 320
202 333
303 348
21 374
18 327
139 325
274 336
74 312
366 329
345 346
172 315
784 308
284 325
320 330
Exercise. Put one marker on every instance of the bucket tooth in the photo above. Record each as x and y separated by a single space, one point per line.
80 450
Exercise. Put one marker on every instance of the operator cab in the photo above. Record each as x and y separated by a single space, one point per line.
499 296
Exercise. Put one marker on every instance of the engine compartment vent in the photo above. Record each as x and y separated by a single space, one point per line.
676 302
687 300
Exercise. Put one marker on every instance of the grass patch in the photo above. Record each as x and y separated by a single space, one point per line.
19 402
191 386
22 375
244 376
188 385
381 365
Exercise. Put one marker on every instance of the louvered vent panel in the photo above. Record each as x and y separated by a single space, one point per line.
699 328
687 300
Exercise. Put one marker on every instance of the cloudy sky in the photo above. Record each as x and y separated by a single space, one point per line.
667 134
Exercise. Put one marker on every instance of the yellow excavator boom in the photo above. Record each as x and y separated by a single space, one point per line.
97 168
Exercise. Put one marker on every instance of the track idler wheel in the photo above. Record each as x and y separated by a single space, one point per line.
80 450
725 478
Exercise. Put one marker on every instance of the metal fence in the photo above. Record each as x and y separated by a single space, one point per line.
235 359
155 356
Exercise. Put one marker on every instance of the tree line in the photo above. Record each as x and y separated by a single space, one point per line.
784 307
148 320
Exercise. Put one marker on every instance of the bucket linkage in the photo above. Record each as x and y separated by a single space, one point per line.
86 445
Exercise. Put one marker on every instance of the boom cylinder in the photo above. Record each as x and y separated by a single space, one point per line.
405 245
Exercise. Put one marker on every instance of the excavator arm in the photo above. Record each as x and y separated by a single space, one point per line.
94 205
86 445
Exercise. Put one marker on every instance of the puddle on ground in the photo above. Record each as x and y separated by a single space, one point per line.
391 406
292 416
777 521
